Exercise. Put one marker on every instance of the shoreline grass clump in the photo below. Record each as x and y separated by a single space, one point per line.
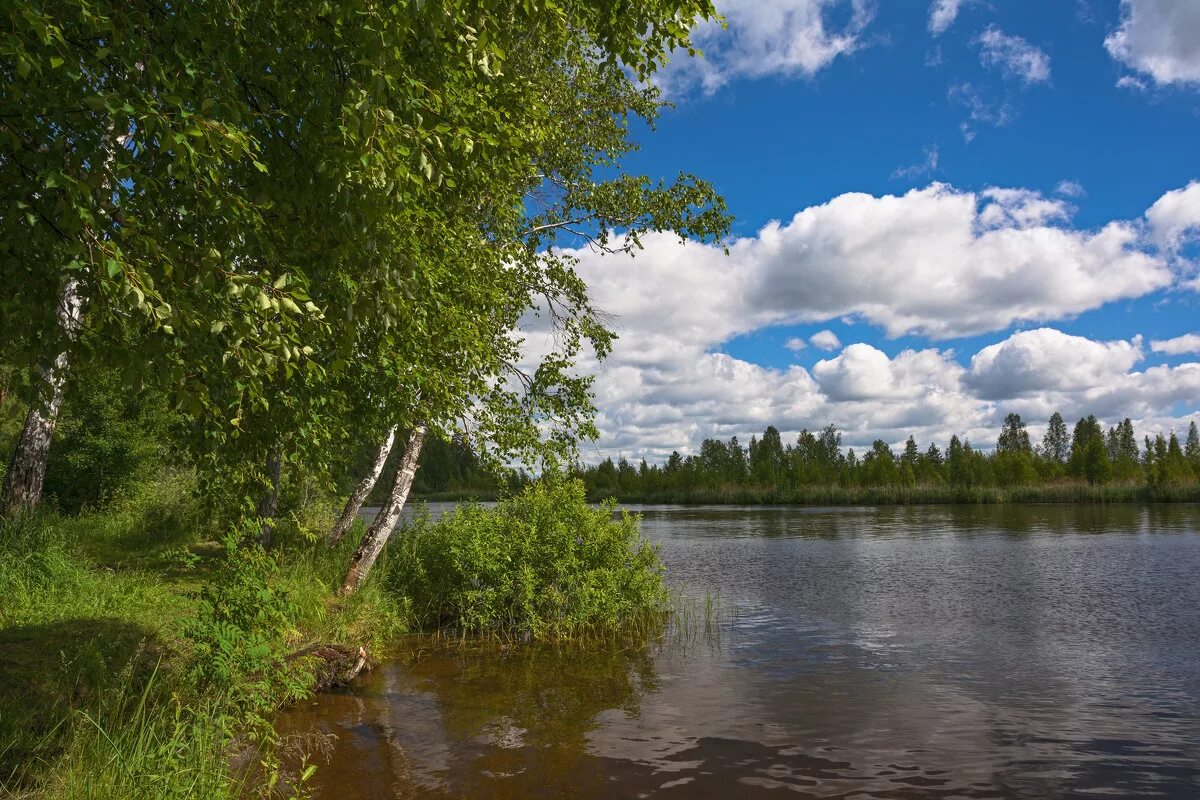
543 564
141 659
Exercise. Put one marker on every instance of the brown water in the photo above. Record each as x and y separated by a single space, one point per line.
1035 652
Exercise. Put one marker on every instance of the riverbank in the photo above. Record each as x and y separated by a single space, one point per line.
144 655
119 682
910 495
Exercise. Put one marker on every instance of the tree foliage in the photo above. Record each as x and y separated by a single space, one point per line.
308 222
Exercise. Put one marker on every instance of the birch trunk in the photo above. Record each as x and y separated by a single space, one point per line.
354 504
270 499
381 529
26 475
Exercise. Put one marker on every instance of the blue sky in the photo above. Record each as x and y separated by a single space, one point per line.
961 192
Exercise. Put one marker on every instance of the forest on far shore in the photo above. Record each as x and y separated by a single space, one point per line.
1087 462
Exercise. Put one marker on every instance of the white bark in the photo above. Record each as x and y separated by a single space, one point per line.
26 475
381 529
356 500
22 491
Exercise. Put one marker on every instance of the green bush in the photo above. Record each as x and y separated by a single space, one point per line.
542 564
108 440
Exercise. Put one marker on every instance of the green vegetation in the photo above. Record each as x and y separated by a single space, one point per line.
543 564
238 243
144 657
139 656
1086 466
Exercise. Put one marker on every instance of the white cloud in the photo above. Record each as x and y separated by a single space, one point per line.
791 38
795 344
1131 83
1070 189
1175 217
941 262
825 340
863 372
1014 56
1046 360
1159 38
1188 343
937 262
942 15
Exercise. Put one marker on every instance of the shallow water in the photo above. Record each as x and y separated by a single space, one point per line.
1013 651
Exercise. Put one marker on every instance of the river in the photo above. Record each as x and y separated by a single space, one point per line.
913 652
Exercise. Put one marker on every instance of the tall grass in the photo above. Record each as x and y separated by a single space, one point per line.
105 688
143 745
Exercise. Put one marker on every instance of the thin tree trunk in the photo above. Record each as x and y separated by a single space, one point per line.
270 499
26 475
381 529
354 504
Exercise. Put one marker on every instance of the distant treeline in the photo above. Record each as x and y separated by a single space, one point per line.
1086 464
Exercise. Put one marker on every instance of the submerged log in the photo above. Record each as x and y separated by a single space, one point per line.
333 665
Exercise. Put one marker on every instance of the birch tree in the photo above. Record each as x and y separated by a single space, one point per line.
575 116
291 179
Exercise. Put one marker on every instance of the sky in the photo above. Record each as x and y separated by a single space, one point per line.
945 211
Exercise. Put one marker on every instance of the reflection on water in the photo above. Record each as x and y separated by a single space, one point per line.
1049 651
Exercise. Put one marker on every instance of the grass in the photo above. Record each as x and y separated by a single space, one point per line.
101 698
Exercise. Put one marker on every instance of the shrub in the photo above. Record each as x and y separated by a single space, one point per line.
108 440
240 632
542 564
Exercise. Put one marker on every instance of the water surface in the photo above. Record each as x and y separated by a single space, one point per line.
919 652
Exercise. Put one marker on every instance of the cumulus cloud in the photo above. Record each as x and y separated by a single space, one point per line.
1174 218
937 262
1014 56
795 344
942 15
825 340
941 262
863 372
1159 38
790 38
1048 360
1188 343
